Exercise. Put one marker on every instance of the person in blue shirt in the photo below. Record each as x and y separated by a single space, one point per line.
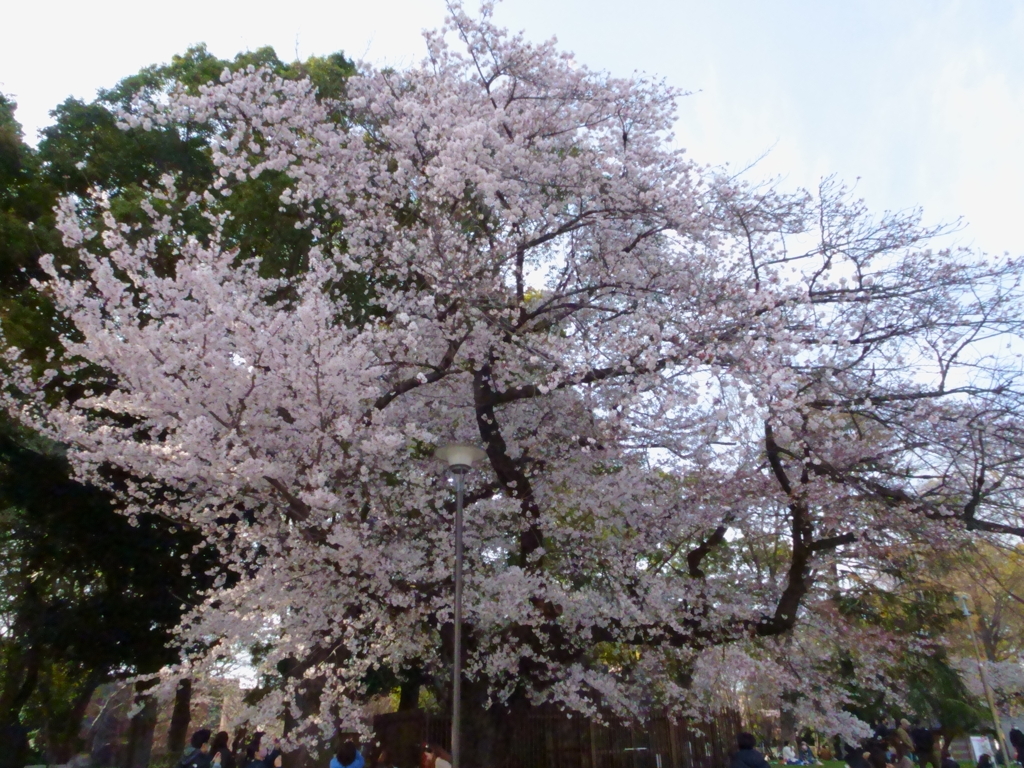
348 756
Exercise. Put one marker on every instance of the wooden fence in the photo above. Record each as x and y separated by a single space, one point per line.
547 738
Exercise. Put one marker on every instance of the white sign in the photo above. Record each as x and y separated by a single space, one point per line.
981 745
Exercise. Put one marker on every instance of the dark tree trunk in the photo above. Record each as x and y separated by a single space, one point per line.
307 701
239 743
486 737
140 733
22 675
181 716
105 730
787 720
13 745
62 738
409 696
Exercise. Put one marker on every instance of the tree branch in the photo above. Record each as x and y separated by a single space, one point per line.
511 476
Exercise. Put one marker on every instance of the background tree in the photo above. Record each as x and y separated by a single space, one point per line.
928 679
88 596
992 575
47 684
665 367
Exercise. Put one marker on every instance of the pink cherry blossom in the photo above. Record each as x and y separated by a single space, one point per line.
708 406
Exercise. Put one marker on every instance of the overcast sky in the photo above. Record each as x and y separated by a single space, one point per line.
920 102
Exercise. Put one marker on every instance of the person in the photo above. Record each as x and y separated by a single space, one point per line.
947 759
435 757
237 743
1017 742
902 744
806 754
220 752
924 747
746 756
788 753
857 757
258 756
197 754
273 753
348 756
986 761
874 752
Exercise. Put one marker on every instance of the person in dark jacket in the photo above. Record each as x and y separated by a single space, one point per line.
1017 742
219 748
857 757
198 753
924 747
256 753
746 756
274 752
875 749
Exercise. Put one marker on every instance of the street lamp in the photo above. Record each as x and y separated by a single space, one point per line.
459 458
962 601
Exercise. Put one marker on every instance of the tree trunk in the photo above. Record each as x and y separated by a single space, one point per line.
181 716
22 675
13 745
105 730
307 701
302 757
486 736
409 696
62 738
140 734
787 720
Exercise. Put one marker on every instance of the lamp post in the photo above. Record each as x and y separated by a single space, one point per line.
962 600
460 458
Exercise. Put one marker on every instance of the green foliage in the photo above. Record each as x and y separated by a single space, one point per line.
26 232
86 594
932 688
26 218
86 150
88 585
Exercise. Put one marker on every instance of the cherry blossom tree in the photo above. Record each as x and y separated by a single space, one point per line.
709 409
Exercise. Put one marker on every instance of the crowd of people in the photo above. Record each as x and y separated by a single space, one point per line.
898 745
802 754
209 750
893 745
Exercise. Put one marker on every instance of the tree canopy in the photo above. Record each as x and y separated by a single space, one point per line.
711 411
87 596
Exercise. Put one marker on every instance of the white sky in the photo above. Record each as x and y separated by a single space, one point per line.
922 100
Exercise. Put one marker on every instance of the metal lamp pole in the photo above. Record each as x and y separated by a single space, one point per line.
460 459
963 599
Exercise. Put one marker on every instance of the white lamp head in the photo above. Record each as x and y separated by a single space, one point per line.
459 456
962 600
